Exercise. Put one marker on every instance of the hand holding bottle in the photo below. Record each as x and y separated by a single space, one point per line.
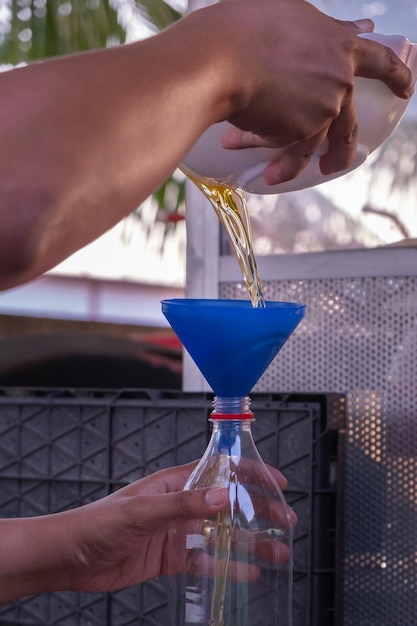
115 542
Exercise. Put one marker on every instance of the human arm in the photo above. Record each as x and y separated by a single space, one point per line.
112 543
86 138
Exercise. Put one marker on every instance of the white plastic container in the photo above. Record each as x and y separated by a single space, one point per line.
379 112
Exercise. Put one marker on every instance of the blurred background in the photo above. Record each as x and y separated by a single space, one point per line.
95 319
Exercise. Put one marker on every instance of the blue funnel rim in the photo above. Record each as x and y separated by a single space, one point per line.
232 303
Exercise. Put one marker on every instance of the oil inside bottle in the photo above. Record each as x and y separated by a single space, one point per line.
231 208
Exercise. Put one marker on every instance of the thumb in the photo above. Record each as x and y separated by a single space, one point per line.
156 510
237 139
364 25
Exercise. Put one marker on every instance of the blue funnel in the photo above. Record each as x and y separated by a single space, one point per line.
232 342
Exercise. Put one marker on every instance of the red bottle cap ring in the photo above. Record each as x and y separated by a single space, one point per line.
231 416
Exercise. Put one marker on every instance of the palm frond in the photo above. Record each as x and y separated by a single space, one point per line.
34 29
157 13
31 30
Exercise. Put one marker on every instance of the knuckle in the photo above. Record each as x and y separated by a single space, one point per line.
353 135
179 502
305 158
308 129
349 86
182 503
339 96
303 134
332 109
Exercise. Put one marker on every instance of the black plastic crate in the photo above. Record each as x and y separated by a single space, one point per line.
63 448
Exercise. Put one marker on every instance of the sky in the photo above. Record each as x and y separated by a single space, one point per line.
391 17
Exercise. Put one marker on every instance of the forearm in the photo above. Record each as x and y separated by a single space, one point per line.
32 556
112 128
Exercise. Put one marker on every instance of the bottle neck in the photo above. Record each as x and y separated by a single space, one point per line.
233 408
232 421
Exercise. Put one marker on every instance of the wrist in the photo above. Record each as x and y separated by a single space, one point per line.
215 66
230 37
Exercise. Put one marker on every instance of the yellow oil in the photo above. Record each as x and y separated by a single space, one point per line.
222 546
220 533
231 208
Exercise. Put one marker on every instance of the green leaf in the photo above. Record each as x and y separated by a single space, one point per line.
45 28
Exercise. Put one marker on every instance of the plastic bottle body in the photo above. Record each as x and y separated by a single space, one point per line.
235 569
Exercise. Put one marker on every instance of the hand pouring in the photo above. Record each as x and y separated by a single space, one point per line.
379 112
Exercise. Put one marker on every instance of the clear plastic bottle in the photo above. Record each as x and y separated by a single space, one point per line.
235 569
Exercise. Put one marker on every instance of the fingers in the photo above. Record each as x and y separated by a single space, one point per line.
150 513
376 61
202 564
163 481
236 139
278 476
343 141
253 473
293 160
342 138
257 477
359 26
280 515
246 549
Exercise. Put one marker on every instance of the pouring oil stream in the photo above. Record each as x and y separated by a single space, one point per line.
230 206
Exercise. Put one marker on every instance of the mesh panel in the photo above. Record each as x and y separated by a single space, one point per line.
359 338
